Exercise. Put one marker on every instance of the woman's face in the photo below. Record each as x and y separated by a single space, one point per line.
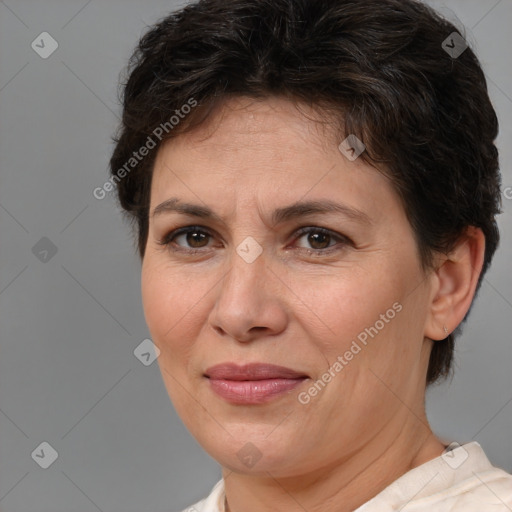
336 295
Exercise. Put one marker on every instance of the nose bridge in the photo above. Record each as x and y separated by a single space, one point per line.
244 300
247 269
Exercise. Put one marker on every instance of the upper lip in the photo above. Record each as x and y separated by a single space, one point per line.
252 371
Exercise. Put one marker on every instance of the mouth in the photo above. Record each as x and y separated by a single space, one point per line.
254 383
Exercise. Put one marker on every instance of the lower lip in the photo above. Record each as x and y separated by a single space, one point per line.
252 391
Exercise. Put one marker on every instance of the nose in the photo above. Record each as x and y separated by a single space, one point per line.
250 303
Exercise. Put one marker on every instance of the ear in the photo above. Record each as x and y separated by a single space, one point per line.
454 284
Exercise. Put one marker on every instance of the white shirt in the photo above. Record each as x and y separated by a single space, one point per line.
460 480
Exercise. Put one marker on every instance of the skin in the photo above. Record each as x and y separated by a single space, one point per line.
297 309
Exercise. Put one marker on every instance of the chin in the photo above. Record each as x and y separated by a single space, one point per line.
253 454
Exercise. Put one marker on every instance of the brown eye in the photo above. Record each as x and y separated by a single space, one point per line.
197 239
319 240
190 238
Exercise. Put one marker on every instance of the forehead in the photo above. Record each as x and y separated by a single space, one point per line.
242 123
264 151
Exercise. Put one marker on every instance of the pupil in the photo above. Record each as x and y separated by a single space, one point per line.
316 239
194 238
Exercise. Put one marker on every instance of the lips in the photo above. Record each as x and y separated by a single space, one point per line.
253 383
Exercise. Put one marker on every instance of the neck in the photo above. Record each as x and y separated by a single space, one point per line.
343 485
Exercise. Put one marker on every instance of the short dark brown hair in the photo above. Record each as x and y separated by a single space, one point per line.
423 113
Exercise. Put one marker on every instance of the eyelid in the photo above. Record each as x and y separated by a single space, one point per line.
308 229
167 239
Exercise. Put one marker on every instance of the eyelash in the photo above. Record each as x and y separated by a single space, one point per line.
167 240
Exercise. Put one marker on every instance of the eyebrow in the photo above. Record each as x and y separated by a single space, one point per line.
295 210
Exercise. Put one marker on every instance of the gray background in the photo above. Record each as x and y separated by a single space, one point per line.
69 326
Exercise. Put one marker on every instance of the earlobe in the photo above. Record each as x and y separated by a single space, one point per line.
456 279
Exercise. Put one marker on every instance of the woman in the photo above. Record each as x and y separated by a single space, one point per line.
314 187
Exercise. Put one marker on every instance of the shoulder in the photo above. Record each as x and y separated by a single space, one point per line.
461 480
214 502
475 483
489 490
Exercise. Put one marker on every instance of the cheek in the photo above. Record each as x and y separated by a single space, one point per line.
172 302
371 320
348 303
